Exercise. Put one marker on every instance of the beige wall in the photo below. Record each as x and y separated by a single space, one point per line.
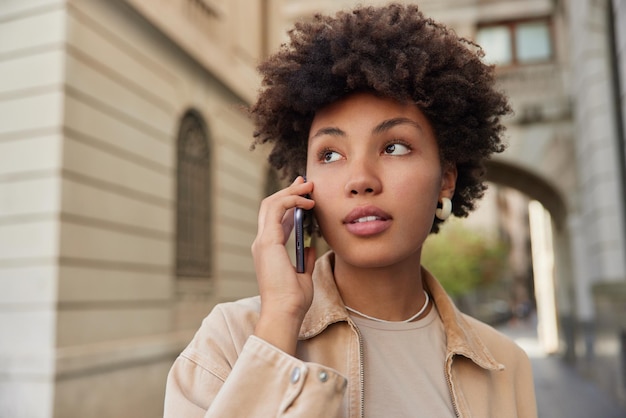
225 37
31 141
91 95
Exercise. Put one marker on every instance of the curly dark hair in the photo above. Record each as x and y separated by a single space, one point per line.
391 51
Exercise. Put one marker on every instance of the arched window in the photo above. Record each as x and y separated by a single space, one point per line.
193 204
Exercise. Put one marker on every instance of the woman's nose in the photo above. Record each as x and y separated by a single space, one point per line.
363 179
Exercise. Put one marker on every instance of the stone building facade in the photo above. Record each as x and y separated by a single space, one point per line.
102 103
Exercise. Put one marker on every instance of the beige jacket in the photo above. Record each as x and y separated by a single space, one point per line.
227 372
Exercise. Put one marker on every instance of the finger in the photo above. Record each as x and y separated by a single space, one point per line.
297 188
288 223
275 218
274 209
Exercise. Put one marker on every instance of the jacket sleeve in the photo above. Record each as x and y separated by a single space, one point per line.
525 389
263 381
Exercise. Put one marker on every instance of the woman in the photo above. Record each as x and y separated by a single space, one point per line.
391 116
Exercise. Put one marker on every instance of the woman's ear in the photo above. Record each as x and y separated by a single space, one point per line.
448 180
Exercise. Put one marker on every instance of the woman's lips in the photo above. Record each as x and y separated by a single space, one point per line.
367 220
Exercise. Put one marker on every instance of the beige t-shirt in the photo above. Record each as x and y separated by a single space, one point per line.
404 368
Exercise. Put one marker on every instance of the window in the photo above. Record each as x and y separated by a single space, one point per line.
516 43
193 214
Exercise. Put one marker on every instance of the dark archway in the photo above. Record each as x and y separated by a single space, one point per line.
531 185
556 277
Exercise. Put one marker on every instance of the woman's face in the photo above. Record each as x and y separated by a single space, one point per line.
377 179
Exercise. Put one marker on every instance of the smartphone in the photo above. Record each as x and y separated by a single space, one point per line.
298 221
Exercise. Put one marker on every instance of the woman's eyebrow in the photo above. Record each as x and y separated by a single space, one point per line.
390 123
332 131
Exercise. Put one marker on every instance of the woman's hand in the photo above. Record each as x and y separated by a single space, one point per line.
285 295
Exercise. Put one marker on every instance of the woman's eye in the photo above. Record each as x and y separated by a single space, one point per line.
330 156
397 149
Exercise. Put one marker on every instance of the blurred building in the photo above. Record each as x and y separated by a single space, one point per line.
128 194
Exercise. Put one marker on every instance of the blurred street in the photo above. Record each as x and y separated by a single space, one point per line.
561 391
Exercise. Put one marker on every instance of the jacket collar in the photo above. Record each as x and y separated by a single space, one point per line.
328 308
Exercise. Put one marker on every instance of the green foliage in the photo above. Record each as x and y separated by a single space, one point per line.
463 259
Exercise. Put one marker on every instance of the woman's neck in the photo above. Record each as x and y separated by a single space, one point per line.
390 293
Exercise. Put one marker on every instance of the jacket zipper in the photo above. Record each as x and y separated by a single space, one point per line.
361 371
361 367
447 372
